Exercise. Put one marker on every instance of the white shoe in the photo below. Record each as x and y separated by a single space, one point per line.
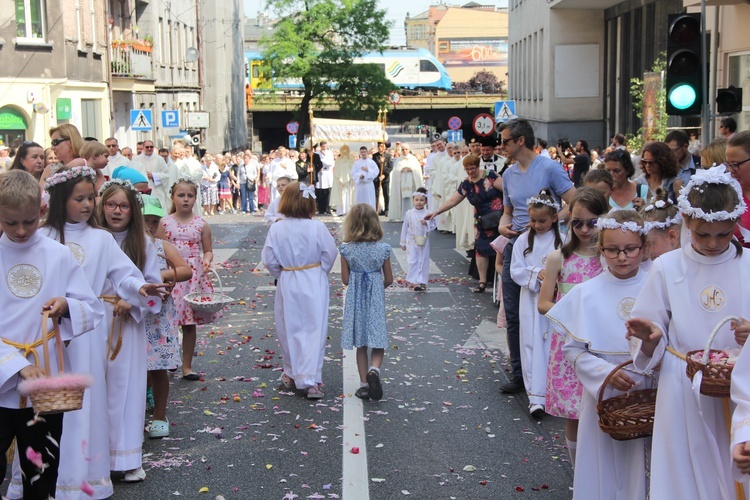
135 475
536 410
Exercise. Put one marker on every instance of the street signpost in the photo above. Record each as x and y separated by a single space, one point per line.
170 118
455 135
198 119
483 124
394 98
292 127
454 123
504 110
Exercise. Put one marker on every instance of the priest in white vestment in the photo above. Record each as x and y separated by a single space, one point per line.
160 177
341 191
406 177
363 174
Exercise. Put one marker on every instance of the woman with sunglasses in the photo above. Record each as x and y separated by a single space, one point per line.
660 169
738 164
626 193
66 142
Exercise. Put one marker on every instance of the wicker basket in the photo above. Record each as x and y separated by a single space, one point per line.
64 392
215 301
717 378
628 416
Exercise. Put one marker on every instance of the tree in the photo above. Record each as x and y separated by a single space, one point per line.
482 81
317 41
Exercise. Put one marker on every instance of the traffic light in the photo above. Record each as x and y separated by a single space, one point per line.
684 65
729 100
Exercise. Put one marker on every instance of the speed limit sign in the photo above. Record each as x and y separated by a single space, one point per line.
483 124
394 98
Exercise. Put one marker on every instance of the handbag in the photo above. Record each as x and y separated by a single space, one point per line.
250 185
490 220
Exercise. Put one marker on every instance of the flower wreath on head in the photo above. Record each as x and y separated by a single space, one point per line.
125 184
181 180
419 193
534 200
714 175
69 175
610 223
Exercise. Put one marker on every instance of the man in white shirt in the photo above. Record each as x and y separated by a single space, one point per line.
488 160
115 158
363 174
188 168
281 166
323 163
160 178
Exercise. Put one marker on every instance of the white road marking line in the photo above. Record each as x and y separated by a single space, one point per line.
401 256
462 253
269 288
488 336
223 254
355 476
436 289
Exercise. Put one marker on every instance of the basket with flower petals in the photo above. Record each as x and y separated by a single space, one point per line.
627 416
716 365
209 302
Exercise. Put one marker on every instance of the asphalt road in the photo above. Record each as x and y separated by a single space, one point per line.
441 431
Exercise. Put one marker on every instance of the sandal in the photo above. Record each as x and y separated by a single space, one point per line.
315 392
374 389
362 393
480 289
287 382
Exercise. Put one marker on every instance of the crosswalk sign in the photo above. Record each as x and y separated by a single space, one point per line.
141 120
504 110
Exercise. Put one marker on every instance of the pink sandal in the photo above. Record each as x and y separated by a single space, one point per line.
315 392
286 381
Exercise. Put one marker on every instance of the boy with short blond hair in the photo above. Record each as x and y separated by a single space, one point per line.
41 276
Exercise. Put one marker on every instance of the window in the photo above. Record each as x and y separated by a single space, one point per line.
94 25
427 66
91 118
160 41
739 76
30 22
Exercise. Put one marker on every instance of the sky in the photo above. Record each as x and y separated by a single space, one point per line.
397 10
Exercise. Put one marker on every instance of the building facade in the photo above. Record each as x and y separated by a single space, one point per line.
53 71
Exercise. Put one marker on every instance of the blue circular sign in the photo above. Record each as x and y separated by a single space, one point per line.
292 127
454 123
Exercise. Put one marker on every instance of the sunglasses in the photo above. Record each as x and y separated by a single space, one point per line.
506 141
579 223
647 162
57 142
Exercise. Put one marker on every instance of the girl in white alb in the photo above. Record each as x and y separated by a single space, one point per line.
592 317
120 213
70 221
527 268
688 292
415 241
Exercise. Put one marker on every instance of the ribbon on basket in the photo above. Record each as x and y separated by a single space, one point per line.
31 349
113 299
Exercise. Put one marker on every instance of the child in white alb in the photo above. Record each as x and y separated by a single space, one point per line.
414 240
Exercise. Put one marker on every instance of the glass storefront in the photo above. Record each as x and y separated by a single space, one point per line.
12 127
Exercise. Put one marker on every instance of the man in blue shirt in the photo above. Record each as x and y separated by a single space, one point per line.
530 174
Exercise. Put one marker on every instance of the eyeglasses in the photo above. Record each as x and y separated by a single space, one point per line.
735 165
57 142
112 206
579 223
646 162
506 141
111 145
613 253
148 147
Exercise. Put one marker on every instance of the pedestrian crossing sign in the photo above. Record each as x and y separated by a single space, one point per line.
504 111
141 120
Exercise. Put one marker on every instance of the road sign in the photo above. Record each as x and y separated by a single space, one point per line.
292 140
198 119
454 123
483 124
292 128
455 135
504 110
394 98
170 118
141 120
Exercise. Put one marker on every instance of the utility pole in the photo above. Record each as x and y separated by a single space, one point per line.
199 41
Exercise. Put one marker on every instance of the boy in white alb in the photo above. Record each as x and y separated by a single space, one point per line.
363 173
40 275
272 212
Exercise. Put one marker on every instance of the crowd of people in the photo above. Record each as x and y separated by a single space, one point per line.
653 237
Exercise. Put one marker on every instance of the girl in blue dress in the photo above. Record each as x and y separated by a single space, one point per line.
366 270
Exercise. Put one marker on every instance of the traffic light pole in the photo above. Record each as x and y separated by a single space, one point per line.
705 108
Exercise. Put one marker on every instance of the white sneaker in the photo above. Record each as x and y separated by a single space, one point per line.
536 410
134 476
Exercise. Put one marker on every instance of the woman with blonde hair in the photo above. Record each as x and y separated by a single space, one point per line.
715 153
66 142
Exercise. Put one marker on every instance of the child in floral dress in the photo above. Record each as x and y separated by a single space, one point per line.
192 237
577 261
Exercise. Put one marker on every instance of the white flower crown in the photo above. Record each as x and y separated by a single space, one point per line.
125 184
541 201
69 175
671 221
714 175
610 223
183 179
417 193
658 204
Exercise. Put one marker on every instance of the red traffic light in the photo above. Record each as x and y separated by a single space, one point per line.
685 30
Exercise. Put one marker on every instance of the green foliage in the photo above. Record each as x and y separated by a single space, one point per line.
316 41
637 92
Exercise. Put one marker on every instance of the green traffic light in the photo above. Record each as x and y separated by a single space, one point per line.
682 96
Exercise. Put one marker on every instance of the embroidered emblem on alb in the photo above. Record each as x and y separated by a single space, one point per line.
78 252
24 281
543 261
712 299
624 308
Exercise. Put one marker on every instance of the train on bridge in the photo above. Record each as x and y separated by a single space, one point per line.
408 69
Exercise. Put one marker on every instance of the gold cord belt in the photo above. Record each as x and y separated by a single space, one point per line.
678 354
113 299
29 349
301 268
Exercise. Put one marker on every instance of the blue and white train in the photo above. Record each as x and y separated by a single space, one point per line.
412 69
